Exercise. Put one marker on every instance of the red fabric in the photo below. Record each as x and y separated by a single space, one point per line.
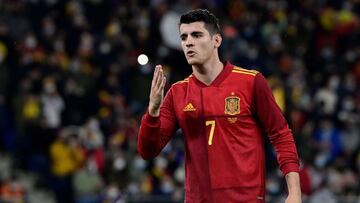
305 181
232 169
99 156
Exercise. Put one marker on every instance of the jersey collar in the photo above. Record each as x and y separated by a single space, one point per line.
218 80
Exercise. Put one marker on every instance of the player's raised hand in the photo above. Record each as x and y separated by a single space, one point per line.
157 91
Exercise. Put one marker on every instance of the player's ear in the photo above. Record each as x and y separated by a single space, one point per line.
218 40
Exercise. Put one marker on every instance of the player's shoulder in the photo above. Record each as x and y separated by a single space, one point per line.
182 83
244 73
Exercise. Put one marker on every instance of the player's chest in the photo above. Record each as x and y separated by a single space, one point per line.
213 102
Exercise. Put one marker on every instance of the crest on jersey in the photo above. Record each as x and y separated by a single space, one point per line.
232 105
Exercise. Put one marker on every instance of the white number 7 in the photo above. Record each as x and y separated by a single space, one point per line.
212 123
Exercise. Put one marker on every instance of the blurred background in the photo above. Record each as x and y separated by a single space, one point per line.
75 78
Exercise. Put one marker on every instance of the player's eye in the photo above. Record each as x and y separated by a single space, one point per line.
197 35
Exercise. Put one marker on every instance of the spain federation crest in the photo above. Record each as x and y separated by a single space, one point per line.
232 105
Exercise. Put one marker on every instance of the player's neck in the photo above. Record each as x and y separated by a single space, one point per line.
207 72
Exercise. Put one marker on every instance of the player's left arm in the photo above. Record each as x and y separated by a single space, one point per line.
276 127
293 185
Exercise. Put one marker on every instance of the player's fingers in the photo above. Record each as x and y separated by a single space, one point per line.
163 82
160 75
154 77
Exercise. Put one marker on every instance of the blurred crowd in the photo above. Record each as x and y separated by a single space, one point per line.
72 92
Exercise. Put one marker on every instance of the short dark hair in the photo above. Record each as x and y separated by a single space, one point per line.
202 15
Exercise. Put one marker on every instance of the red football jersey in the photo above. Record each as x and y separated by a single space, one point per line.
222 124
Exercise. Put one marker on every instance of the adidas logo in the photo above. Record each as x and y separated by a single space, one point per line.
189 107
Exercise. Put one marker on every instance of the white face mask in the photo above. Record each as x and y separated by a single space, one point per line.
30 42
91 166
93 124
119 163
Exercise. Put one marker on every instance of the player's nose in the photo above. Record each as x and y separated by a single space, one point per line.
189 42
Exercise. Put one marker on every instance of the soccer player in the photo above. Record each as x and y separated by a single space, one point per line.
223 111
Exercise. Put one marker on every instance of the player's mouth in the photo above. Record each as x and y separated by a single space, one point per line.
190 53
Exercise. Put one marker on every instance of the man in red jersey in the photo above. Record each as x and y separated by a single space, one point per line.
223 111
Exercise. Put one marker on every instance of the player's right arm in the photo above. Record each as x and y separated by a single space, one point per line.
158 124
157 91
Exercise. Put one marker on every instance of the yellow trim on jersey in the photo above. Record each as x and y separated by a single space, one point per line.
244 72
183 81
179 82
